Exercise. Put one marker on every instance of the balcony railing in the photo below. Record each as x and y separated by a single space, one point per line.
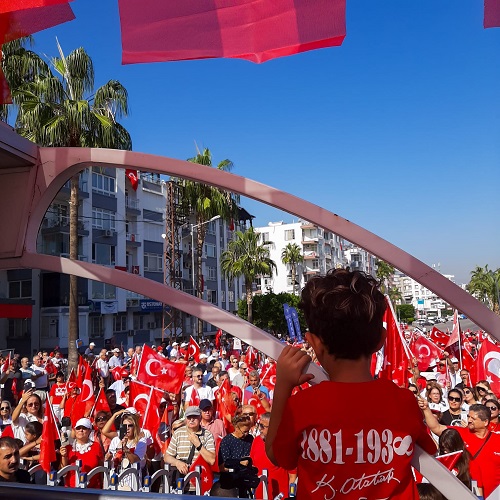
132 203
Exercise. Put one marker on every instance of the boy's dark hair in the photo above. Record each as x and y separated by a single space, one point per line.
35 428
344 309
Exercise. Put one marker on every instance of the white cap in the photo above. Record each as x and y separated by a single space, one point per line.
91 344
454 360
116 349
84 422
174 343
131 410
184 344
203 356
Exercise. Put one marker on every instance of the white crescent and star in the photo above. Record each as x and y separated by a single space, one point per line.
422 347
148 367
488 357
88 383
140 396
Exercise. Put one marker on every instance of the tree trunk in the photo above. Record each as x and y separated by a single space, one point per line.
200 237
73 280
294 278
248 290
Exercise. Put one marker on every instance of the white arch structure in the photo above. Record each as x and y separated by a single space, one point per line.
27 192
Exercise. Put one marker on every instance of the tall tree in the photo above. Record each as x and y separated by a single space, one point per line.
394 294
247 256
484 284
206 202
384 272
292 256
58 107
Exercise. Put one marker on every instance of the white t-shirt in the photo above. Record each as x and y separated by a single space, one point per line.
204 392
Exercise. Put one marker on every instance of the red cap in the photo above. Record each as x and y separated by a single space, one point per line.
159 348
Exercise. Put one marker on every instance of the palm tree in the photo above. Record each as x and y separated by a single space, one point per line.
58 107
485 286
292 255
394 294
384 272
206 202
247 256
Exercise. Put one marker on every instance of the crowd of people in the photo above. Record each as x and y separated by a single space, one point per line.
238 412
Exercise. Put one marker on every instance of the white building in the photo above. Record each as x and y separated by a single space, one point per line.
118 227
321 249
359 259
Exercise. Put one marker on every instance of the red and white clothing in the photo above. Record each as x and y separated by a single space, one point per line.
343 452
57 392
485 468
204 392
277 477
91 455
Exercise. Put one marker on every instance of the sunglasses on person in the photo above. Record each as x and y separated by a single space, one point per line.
101 419
4 408
492 408
467 392
262 426
457 400
81 428
413 391
249 414
482 389
30 405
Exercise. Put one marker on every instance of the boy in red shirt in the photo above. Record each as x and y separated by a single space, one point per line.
341 450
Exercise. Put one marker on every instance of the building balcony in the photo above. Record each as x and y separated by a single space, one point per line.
307 240
310 255
132 240
61 224
307 225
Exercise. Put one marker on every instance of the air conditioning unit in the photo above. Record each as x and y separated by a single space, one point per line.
109 232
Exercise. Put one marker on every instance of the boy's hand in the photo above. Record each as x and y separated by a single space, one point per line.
291 365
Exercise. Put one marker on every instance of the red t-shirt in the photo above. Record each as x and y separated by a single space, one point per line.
57 392
90 459
277 477
485 468
352 450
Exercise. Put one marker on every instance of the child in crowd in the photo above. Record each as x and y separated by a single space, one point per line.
340 449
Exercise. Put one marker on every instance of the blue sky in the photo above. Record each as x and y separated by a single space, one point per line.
398 130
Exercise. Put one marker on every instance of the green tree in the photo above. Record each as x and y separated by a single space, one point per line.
384 272
406 313
58 107
247 256
292 256
206 202
484 284
394 294
268 312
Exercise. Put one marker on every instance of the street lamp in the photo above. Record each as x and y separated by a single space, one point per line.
193 227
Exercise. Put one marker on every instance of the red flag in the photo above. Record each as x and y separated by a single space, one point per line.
7 432
452 346
139 396
268 377
116 372
193 350
256 30
449 460
206 476
85 401
488 365
396 353
250 357
194 400
50 367
6 364
226 405
249 398
133 177
101 403
151 416
218 335
164 431
425 351
438 337
50 434
156 370
491 14
134 365
468 362
12 5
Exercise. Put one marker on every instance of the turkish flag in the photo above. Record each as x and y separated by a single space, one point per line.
134 365
194 400
50 367
491 14
85 401
425 351
83 369
101 403
268 376
164 432
438 337
139 396
206 476
50 434
154 369
133 177
151 417
193 350
255 30
6 364
396 353
226 405
250 357
116 372
449 460
249 398
468 361
452 346
218 335
488 365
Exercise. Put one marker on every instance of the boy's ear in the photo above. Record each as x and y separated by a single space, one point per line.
315 342
381 342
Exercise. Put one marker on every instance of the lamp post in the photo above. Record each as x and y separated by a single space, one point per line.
193 227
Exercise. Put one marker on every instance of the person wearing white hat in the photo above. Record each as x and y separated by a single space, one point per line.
174 351
90 349
115 360
84 449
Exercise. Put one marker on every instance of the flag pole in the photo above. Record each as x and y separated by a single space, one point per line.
408 352
459 340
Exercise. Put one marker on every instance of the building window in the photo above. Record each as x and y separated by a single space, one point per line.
103 254
211 273
152 231
315 264
289 234
103 184
138 321
20 289
209 250
230 295
153 262
96 326
120 323
211 227
223 296
212 296
103 219
103 291
264 237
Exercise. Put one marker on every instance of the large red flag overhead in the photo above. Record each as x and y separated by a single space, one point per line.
438 337
488 365
256 30
156 370
491 14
